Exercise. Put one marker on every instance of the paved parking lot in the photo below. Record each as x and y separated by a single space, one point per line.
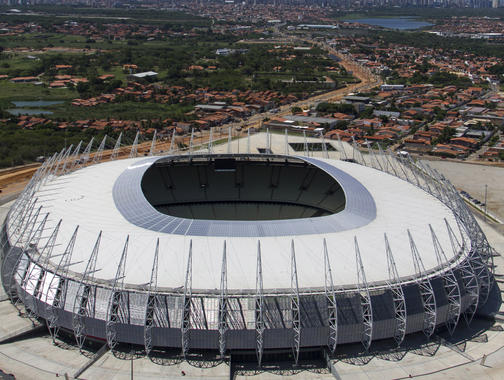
472 179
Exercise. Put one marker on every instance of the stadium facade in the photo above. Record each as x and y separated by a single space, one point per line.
226 252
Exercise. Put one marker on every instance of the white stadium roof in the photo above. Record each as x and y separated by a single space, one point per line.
85 198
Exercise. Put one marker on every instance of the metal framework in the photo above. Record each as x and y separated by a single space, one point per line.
117 146
191 141
210 141
295 309
388 156
394 283
480 254
365 300
75 156
373 157
324 147
186 313
468 276
401 166
59 157
152 307
450 283
332 307
153 143
99 153
134 147
66 159
426 291
229 140
57 288
117 310
356 149
84 299
305 145
32 237
286 142
259 308
248 141
342 148
474 269
172 141
36 275
268 141
223 305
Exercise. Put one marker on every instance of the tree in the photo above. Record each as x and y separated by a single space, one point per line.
82 87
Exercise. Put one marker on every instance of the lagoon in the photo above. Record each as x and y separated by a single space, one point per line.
36 103
24 107
27 111
398 23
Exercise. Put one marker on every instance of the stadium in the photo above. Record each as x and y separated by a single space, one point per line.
292 244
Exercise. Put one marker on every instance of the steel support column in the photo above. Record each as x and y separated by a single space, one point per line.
248 141
186 313
223 305
259 308
210 141
84 299
295 308
191 141
305 145
229 140
342 148
152 303
172 141
118 309
426 291
134 147
75 157
286 142
365 300
153 143
450 283
99 153
87 152
469 278
394 283
332 306
58 287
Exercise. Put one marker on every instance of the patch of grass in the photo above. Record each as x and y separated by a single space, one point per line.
25 91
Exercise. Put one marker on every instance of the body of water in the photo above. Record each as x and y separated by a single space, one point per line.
28 111
24 107
400 23
36 103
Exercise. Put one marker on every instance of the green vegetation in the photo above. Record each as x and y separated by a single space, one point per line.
48 15
25 91
327 108
445 136
19 146
427 41
256 67
127 110
180 47
497 69
438 78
